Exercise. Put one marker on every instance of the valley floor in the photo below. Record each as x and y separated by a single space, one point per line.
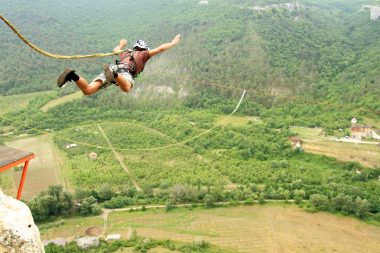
258 228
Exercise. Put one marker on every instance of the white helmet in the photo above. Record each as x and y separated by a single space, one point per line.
141 44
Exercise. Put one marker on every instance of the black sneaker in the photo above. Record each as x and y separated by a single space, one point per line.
65 77
110 72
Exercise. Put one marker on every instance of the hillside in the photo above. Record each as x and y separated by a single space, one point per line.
311 49
308 69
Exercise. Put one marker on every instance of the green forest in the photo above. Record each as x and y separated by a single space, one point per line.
313 66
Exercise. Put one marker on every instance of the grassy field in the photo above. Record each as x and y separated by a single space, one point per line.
70 228
18 102
366 154
268 228
308 133
237 121
372 122
61 100
314 142
44 170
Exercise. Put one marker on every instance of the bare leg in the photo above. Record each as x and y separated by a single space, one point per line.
86 88
123 83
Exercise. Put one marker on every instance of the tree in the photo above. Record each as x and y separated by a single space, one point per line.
361 207
262 198
55 191
342 203
182 193
299 196
105 193
319 202
89 206
209 201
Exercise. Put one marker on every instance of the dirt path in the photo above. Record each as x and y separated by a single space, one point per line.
119 158
104 215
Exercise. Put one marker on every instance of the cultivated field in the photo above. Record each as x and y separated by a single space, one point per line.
61 100
44 170
18 102
314 142
268 228
172 166
237 121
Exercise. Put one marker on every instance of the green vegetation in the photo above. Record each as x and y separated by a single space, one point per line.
312 67
138 244
55 202
62 100
18 102
255 157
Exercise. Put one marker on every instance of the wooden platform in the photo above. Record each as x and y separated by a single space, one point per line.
10 157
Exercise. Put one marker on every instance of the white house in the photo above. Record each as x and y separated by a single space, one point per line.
72 145
203 2
375 13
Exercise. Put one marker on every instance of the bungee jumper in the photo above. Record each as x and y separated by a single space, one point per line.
123 73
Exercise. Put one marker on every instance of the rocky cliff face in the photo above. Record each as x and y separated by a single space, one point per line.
288 6
374 11
18 233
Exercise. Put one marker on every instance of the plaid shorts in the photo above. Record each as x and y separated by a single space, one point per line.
124 74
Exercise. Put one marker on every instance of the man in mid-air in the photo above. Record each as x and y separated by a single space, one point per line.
123 73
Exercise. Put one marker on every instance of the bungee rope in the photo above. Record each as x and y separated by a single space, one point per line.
139 149
56 56
83 58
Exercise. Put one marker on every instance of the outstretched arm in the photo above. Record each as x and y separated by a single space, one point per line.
165 46
120 47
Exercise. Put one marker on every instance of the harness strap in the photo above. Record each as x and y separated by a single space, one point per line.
131 67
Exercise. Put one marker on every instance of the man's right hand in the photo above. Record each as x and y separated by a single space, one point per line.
123 43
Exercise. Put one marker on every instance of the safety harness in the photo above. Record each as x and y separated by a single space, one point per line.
131 69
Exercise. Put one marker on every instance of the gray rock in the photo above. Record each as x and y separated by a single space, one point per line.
18 233
87 242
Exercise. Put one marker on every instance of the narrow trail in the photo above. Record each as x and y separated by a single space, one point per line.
119 158
104 215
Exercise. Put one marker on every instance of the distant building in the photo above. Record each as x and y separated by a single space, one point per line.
72 145
354 121
375 13
288 6
296 141
203 2
361 131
